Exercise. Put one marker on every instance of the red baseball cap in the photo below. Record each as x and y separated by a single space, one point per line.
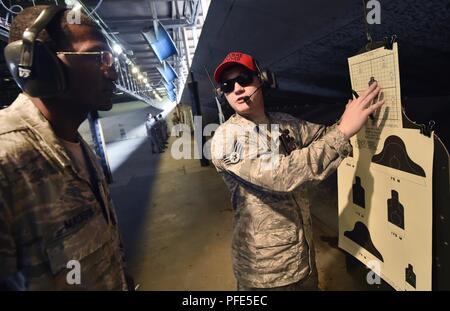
234 58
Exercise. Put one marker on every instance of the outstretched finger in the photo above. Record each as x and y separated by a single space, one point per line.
374 107
366 101
368 91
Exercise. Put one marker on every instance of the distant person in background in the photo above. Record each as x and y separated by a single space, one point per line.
175 122
152 133
158 133
163 129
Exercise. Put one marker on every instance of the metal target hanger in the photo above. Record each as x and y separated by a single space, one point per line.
372 45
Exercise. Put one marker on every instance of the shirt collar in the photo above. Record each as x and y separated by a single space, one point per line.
241 120
35 120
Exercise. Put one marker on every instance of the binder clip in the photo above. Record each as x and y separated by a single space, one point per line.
389 42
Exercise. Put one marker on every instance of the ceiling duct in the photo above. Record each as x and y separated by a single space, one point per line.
169 86
172 96
167 72
160 41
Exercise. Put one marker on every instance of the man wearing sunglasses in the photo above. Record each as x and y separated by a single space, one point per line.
58 227
267 160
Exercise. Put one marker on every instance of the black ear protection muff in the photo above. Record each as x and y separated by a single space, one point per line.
266 77
33 65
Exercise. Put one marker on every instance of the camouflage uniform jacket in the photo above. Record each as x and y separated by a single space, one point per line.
49 214
272 241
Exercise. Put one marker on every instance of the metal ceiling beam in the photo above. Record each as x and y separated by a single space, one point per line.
142 52
141 47
146 59
147 20
4 34
151 66
186 49
135 24
146 64
146 100
140 42
154 76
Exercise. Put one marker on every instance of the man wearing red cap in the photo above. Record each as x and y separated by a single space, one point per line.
267 160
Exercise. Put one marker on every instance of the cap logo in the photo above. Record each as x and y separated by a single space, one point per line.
233 57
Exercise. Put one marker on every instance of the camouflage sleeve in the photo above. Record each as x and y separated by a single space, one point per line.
8 252
282 173
310 132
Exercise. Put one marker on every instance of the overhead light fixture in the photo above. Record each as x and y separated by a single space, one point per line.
160 41
117 48
140 76
74 4
145 80
134 69
157 96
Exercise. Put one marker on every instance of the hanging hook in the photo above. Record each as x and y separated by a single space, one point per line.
431 125
389 42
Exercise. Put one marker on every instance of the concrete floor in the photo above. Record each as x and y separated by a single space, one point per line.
176 221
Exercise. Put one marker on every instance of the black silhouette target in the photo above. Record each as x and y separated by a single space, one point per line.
361 236
395 155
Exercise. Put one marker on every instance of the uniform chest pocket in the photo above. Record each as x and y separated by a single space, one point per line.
78 245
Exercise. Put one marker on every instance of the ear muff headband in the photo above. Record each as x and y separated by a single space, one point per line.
32 32
33 65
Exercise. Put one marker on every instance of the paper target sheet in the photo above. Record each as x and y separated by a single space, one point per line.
380 65
385 186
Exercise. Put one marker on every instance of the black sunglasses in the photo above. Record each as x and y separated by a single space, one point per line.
245 78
